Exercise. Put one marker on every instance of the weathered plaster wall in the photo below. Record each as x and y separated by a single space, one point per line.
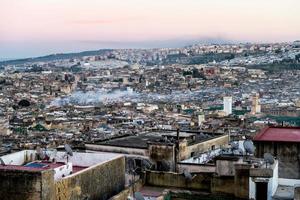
287 155
169 179
26 185
95 183
204 146
113 149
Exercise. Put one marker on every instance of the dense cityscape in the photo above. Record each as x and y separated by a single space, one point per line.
192 110
149 100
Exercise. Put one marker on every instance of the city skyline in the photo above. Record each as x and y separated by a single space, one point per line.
34 28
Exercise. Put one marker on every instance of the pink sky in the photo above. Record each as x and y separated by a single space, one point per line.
23 22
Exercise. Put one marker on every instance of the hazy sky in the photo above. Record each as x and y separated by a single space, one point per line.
38 27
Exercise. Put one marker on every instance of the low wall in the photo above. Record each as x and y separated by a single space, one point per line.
194 168
95 183
26 185
128 191
169 179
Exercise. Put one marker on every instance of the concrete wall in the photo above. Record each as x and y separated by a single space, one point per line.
19 158
162 152
196 168
113 149
95 183
204 146
287 155
26 185
272 182
85 159
169 179
241 179
234 186
128 191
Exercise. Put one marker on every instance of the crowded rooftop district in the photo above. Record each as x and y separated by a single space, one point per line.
205 121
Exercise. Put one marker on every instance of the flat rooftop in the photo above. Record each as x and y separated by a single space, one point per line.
39 166
279 134
141 141
79 160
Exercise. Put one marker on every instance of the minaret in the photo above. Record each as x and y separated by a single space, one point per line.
255 104
227 103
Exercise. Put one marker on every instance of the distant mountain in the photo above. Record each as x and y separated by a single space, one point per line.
172 43
59 56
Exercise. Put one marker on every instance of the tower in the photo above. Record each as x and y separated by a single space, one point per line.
227 104
255 108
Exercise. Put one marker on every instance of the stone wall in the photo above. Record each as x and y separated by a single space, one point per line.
96 183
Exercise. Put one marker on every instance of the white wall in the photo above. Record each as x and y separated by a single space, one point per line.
274 180
288 182
18 158
86 159
62 171
272 184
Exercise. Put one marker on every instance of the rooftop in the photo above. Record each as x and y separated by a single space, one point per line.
141 141
279 134
39 166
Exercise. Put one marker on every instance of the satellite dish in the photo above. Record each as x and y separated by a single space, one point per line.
147 164
187 175
2 162
249 147
69 151
165 165
269 158
138 196
234 146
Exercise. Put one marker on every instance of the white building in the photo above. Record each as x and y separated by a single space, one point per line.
227 103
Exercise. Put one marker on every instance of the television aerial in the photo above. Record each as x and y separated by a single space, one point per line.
269 159
2 162
249 147
69 151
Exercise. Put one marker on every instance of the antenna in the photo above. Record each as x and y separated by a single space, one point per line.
2 162
249 147
268 159
69 151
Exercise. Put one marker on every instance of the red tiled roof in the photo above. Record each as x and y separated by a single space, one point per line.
279 134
